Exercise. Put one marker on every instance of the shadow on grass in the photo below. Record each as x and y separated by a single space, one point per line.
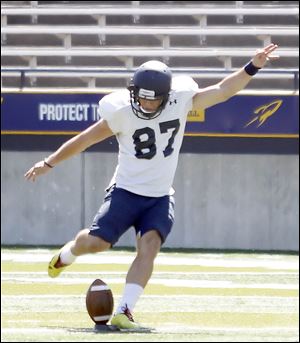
103 329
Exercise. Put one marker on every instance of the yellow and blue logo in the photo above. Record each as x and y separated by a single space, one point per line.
264 112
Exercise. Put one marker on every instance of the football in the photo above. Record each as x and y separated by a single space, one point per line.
99 302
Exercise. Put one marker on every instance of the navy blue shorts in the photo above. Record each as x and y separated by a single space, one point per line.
122 209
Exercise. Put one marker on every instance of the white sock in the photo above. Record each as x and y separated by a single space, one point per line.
131 294
66 256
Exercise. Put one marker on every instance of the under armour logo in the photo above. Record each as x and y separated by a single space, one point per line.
173 102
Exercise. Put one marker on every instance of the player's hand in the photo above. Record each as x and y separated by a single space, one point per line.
263 55
38 169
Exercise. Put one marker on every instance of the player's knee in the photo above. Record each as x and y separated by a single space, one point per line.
97 244
149 245
91 244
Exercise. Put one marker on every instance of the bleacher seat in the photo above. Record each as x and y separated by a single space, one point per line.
184 34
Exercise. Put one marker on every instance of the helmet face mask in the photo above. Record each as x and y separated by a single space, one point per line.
151 81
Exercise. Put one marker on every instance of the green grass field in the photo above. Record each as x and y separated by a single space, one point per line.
192 297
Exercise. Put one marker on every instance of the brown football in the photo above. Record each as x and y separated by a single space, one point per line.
99 302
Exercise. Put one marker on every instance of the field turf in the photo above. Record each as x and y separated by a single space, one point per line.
191 297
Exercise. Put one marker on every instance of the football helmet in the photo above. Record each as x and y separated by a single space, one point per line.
151 81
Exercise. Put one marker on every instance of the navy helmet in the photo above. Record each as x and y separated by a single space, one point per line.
151 81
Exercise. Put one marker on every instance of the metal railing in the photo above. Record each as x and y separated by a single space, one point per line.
94 73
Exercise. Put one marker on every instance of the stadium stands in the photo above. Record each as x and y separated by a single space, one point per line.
99 43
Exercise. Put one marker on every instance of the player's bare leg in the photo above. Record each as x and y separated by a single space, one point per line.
83 244
137 278
148 246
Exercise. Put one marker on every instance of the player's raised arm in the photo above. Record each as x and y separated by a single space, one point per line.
92 135
235 82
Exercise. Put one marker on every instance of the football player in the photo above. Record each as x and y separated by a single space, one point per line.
148 119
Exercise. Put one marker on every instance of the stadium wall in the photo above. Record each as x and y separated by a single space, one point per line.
223 201
231 192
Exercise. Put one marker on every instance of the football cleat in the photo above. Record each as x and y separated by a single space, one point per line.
124 321
52 270
55 271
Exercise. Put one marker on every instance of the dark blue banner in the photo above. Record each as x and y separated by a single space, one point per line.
51 113
245 115
61 113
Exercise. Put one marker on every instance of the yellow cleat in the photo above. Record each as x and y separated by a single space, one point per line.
121 321
55 271
52 270
124 322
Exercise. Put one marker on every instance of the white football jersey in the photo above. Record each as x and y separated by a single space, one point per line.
148 149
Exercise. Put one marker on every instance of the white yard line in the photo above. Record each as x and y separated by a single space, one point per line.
166 282
217 330
163 303
166 329
177 296
101 272
221 260
31 331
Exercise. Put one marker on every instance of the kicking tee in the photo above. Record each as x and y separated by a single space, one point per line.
148 149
